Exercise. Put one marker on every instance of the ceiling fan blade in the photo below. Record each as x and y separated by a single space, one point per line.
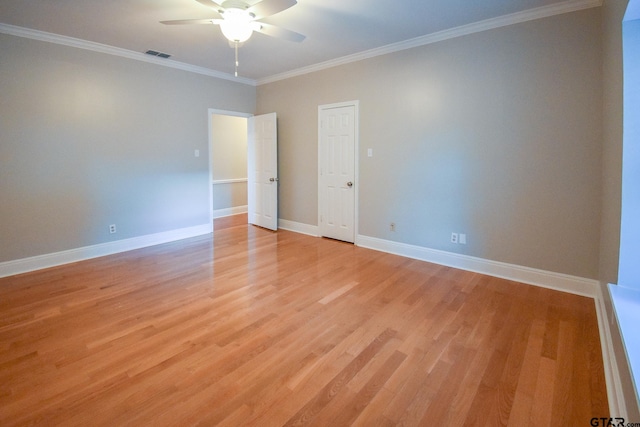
280 33
188 21
269 7
212 4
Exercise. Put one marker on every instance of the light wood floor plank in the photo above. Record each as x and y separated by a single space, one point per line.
262 328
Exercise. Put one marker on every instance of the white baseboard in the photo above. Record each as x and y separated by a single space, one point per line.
517 273
615 395
298 227
24 265
219 213
557 281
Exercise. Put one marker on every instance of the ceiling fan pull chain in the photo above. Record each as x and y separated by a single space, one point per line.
236 46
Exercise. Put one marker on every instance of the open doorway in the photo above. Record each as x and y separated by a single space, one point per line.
228 162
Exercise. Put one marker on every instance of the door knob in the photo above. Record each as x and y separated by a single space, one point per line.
349 184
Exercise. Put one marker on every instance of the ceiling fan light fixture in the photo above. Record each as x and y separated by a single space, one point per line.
238 20
236 25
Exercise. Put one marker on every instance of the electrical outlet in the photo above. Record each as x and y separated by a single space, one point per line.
392 226
454 237
197 153
462 239
112 229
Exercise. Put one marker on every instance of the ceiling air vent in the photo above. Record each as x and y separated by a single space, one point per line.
158 54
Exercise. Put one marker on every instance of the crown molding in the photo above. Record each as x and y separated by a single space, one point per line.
476 27
116 51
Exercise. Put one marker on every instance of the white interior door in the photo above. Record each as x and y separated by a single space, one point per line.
337 185
262 171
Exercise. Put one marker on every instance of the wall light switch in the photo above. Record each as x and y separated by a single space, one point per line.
462 238
369 152
197 153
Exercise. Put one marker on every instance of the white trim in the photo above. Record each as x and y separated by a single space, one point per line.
298 227
229 181
210 162
24 265
235 210
625 303
219 112
476 27
532 276
116 51
546 279
615 395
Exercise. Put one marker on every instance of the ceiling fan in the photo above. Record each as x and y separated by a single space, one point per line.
238 20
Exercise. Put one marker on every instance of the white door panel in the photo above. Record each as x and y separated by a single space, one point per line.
337 172
262 159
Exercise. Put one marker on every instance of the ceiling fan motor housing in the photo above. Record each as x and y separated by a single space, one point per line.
233 4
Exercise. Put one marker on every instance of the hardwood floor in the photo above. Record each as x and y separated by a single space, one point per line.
268 329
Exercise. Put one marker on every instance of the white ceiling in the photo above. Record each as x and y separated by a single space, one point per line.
334 28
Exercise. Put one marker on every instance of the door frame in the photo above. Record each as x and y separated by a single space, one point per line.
356 160
211 112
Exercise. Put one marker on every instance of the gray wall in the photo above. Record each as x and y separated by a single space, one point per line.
496 134
89 140
612 12
229 140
